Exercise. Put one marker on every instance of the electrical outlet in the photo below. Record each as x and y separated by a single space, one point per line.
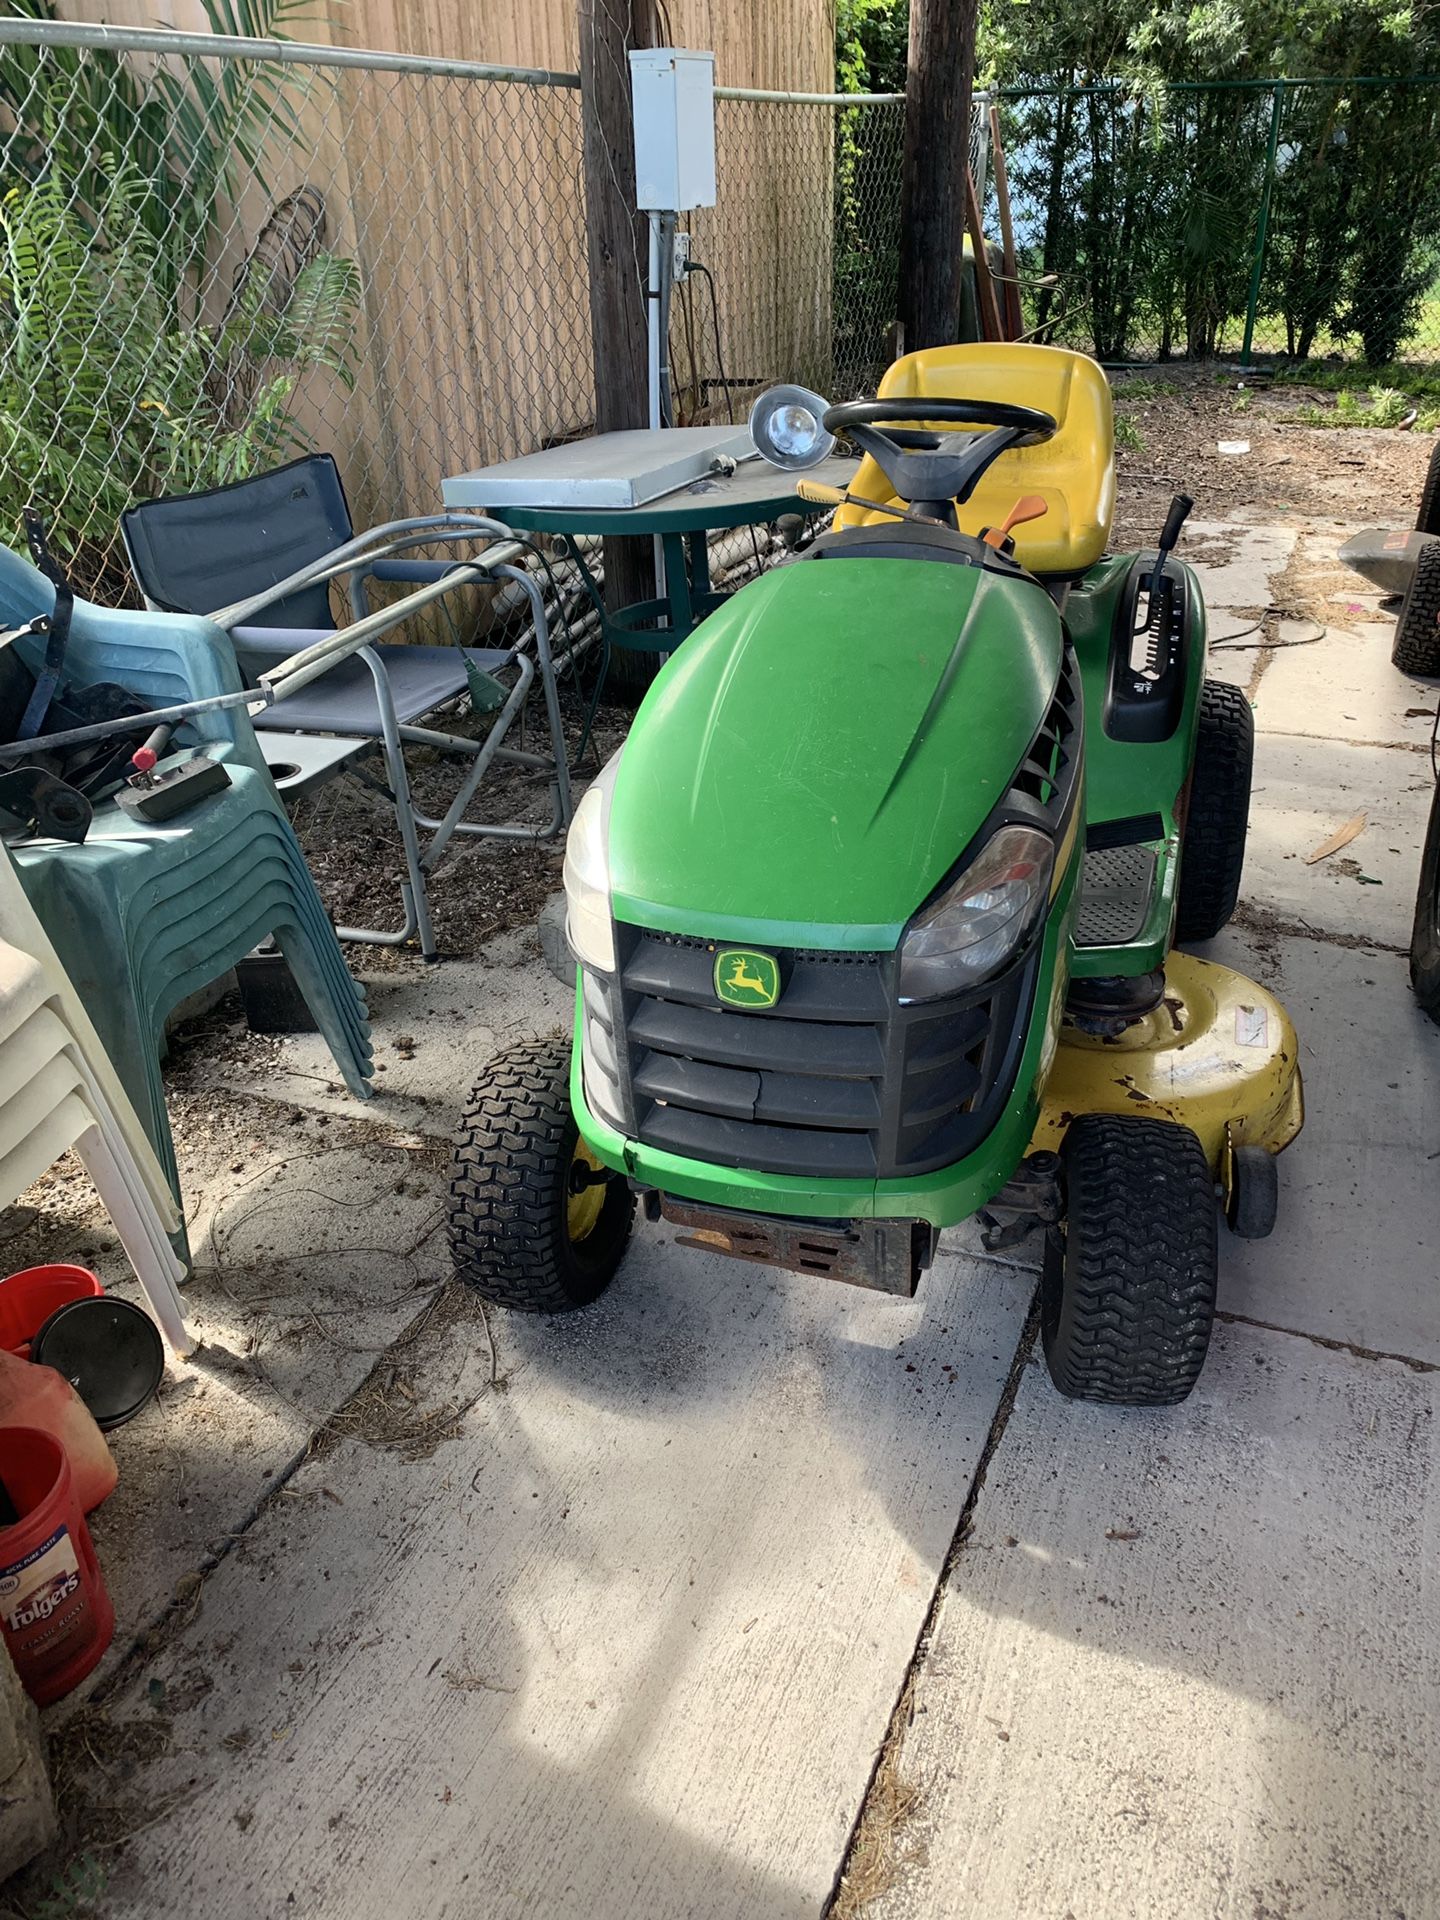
679 257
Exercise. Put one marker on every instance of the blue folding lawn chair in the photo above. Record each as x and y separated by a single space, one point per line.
259 556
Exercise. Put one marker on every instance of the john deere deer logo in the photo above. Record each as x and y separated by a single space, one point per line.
744 978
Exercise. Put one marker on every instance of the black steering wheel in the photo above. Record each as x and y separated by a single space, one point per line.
929 469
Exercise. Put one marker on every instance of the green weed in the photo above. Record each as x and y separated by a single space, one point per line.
1145 389
1420 382
1384 407
1127 435
72 1892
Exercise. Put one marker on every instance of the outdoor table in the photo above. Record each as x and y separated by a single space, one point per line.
755 492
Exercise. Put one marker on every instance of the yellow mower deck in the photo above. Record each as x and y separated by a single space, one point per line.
1218 1054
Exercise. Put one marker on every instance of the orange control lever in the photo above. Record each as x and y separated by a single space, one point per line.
1029 506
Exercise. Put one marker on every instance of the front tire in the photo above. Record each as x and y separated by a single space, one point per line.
1212 851
529 1226
1128 1292
1425 934
1416 648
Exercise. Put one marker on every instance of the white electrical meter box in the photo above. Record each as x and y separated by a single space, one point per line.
674 98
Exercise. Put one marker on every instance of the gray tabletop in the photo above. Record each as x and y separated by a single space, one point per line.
755 491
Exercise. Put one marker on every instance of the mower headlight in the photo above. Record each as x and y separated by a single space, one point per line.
980 920
587 873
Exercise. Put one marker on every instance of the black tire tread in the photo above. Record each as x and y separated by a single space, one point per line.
1212 853
1416 647
1424 937
1427 514
1129 1299
513 1143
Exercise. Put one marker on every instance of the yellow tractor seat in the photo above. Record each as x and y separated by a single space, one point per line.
1074 473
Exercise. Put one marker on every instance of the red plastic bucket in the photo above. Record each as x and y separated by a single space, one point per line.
55 1614
28 1298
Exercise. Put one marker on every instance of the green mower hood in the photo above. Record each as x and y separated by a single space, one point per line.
812 763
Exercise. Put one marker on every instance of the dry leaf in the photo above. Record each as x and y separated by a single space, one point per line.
1341 837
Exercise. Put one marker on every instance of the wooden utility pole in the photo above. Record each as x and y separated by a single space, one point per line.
618 243
937 154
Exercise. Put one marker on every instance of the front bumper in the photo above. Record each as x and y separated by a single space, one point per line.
941 1197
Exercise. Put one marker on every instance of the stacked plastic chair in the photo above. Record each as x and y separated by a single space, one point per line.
59 1090
143 914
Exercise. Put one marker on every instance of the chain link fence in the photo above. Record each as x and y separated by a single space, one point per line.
211 264
214 257
1293 218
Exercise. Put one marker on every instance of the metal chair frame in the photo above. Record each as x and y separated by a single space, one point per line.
365 557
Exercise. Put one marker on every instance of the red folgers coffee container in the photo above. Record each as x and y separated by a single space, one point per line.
55 1614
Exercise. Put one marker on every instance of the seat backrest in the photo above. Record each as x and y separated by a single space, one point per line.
196 552
1074 472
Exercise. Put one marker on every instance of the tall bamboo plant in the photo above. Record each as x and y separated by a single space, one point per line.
106 396
192 137
117 191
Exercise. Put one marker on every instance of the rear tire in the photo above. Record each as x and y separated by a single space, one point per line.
1416 647
1427 516
1212 851
524 1231
1128 1293
1425 935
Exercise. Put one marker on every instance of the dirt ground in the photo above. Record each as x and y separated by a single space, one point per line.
1177 418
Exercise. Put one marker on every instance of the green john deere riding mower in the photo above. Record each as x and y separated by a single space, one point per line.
873 909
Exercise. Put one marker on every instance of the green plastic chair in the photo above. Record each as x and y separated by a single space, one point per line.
143 914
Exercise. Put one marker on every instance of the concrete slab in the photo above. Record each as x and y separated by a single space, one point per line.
623 1638
1373 605
1353 1256
1237 566
1182 1666
435 1028
1343 688
1233 664
309 1265
1303 791
628 1645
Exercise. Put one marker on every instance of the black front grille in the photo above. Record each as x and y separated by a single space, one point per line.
835 1081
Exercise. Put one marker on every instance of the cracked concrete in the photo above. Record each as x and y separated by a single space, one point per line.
1181 1666
1177 1668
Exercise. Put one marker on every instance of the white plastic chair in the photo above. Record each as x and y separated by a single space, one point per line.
59 1090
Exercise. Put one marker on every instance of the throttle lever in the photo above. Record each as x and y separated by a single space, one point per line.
1155 598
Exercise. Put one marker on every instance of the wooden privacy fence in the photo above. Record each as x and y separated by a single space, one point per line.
243 249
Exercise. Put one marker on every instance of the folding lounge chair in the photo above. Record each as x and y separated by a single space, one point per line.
231 548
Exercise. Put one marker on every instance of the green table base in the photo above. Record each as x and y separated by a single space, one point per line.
688 597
